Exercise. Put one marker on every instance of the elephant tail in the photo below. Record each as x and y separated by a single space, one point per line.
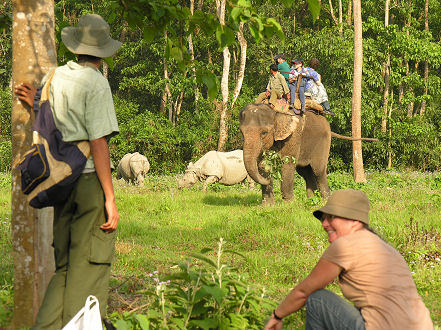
338 136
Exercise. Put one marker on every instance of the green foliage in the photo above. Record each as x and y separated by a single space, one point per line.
204 293
274 162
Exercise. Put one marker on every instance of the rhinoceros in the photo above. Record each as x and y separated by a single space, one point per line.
133 168
224 167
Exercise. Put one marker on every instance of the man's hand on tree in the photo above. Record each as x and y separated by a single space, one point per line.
26 93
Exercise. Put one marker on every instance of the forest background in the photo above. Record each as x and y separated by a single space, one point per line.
165 112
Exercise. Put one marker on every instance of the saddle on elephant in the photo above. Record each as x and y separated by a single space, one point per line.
309 103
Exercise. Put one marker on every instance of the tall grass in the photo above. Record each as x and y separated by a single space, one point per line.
160 225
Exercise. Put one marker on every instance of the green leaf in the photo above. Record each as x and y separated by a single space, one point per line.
123 325
142 321
206 323
235 13
217 293
225 36
210 80
314 8
110 62
202 256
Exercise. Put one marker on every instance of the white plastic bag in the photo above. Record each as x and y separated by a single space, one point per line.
88 318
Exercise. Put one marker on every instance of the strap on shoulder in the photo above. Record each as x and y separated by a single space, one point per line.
45 91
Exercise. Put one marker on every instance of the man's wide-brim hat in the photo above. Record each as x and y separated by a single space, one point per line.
90 37
347 203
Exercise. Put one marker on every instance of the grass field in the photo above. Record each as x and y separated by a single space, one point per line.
160 225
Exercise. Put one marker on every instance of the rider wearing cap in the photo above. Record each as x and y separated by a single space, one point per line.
297 70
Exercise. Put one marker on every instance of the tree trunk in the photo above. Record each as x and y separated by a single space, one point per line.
166 94
386 67
193 68
408 23
33 54
331 9
243 60
357 154
350 13
223 128
340 18
426 63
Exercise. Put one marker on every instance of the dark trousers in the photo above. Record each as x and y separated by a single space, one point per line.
293 88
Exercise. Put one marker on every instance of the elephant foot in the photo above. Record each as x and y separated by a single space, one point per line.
268 201
287 198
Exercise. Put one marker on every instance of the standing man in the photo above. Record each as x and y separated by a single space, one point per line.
276 88
85 225
283 66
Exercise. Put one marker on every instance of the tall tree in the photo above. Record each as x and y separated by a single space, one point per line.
223 128
426 62
386 69
34 53
357 155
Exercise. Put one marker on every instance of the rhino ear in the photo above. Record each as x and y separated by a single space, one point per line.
284 126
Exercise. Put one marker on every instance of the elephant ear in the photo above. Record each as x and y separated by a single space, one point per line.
285 125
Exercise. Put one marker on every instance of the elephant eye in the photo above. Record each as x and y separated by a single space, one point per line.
263 133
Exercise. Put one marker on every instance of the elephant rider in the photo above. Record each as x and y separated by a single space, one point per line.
314 86
276 88
297 70
283 66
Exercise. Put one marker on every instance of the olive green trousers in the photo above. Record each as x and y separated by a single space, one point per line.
83 254
274 96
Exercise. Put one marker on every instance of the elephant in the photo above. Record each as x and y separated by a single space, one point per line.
133 168
305 138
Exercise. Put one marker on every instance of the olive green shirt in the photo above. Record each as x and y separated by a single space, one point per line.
82 104
278 84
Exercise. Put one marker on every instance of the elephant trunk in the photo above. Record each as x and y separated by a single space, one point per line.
251 155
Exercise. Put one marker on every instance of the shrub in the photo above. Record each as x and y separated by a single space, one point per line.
210 295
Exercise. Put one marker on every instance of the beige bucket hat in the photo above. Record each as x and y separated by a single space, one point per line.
346 203
90 37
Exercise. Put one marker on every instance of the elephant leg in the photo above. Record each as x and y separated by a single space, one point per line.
211 179
310 179
287 184
322 181
268 194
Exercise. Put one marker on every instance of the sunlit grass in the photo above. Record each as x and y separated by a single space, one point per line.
160 225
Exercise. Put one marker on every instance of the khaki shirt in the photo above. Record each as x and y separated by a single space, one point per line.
377 280
82 104
278 84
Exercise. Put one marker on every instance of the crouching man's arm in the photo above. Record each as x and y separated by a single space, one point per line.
101 157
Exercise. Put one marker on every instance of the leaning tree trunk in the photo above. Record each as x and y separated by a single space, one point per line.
357 155
33 54
243 60
223 128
